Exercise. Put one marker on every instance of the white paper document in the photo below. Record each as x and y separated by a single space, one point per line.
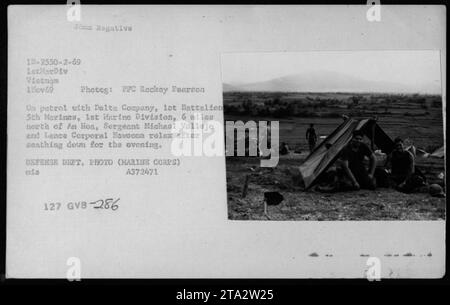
119 161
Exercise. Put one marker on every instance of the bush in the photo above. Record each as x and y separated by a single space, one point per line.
331 115
307 114
436 104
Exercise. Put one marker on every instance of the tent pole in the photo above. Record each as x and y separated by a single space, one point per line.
372 140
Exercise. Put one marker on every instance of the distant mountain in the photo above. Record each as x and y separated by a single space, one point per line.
229 88
327 81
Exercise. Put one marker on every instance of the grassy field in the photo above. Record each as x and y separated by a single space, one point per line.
414 117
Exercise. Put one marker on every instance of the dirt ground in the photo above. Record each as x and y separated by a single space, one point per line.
381 204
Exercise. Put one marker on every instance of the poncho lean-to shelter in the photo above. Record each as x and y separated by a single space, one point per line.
326 153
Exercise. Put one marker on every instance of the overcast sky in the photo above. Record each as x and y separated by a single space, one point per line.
411 68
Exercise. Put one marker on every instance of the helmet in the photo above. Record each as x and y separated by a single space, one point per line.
436 190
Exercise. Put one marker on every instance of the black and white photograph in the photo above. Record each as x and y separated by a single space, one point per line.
225 142
360 135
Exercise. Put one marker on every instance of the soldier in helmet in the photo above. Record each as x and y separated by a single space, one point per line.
403 175
311 137
352 158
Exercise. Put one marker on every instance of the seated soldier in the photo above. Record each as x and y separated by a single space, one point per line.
401 164
284 149
352 157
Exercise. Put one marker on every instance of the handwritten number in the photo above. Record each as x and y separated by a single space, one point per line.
108 203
